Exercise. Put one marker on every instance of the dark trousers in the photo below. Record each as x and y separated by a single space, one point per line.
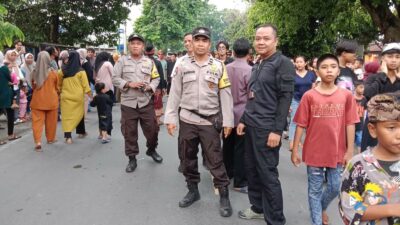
261 162
233 149
105 123
190 138
10 120
130 117
80 129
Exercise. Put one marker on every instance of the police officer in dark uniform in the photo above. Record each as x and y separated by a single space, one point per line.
201 88
271 89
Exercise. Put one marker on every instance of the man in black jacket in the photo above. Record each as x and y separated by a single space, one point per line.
158 105
271 88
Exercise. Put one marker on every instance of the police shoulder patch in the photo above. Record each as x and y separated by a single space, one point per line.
224 81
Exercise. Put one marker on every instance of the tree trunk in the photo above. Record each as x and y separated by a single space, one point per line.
383 17
54 28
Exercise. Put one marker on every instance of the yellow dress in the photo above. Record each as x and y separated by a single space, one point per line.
72 99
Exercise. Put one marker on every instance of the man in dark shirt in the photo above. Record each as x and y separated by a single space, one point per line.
158 104
271 91
170 66
223 48
388 80
346 53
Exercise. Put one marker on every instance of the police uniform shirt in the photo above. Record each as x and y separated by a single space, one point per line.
130 70
201 89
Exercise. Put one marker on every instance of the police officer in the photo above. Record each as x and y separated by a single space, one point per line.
201 88
137 78
271 89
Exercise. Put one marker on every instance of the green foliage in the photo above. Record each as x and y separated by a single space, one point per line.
69 21
165 22
312 27
8 31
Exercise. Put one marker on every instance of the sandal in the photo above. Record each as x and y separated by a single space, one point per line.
82 135
51 142
68 140
325 218
38 148
14 137
3 142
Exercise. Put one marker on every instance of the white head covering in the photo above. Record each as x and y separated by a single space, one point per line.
27 69
83 54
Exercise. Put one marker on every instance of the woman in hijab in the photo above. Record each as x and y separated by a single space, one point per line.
103 70
27 67
6 99
62 58
74 87
44 102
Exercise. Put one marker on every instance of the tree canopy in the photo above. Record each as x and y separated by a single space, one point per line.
8 31
308 29
69 21
164 23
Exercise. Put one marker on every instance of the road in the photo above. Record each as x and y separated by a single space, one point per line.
85 184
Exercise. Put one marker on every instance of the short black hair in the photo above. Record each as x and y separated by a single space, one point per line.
99 87
300 56
149 47
361 60
187 34
241 47
270 25
50 50
325 57
224 43
91 50
358 83
17 41
346 46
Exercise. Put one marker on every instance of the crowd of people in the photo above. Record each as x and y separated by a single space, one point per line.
238 108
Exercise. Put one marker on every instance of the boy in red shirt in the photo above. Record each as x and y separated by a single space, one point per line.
329 114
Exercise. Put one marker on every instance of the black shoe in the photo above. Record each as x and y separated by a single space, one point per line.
155 156
225 208
192 196
131 165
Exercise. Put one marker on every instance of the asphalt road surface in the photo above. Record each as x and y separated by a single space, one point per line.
85 184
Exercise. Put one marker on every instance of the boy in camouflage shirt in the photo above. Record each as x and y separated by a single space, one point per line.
370 191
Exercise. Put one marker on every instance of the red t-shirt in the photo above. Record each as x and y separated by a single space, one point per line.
325 117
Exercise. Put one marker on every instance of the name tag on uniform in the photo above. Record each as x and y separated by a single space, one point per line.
252 95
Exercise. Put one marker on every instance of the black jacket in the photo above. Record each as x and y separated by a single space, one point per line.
272 82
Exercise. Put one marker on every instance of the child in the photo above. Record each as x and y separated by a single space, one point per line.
14 82
329 114
361 101
370 191
104 105
23 102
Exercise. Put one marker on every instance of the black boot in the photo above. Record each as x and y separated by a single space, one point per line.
131 165
154 155
225 208
192 196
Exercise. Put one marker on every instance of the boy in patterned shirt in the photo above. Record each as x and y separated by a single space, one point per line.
370 191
